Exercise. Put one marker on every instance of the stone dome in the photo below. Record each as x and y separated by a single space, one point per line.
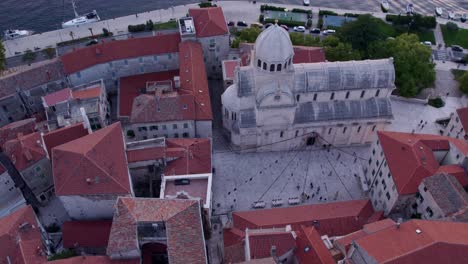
274 46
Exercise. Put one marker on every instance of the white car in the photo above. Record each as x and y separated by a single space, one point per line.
328 32
299 29
427 43
306 2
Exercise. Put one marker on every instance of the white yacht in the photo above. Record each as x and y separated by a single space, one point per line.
80 20
451 15
409 9
439 11
464 18
16 33
385 5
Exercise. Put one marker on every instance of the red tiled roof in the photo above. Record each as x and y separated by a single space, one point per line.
63 135
338 218
58 97
92 165
196 157
94 260
193 79
118 50
308 54
463 116
438 242
455 170
131 87
144 154
11 131
260 243
269 260
20 238
410 157
87 93
229 69
209 21
185 240
77 233
151 108
25 151
310 247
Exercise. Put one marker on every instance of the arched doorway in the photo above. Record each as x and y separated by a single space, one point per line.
311 141
154 253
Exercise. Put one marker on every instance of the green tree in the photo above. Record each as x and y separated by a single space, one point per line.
29 56
49 52
413 69
464 83
2 57
248 35
342 52
331 41
362 32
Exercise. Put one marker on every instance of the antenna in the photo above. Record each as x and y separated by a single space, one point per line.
74 8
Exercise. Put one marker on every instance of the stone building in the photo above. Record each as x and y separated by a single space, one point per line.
275 100
399 162
64 107
457 126
11 198
91 172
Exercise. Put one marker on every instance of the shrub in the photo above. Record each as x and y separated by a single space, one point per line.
130 133
105 32
464 82
272 8
49 53
29 56
436 102
452 26
309 23
327 13
62 255
298 10
320 23
288 23
261 18
136 28
416 20
149 25
351 15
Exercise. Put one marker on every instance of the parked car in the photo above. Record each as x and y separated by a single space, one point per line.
242 24
315 31
285 27
299 29
427 43
92 42
328 32
457 48
306 2
231 23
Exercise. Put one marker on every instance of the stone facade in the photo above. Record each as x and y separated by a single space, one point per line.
277 105
11 197
215 50
89 207
455 127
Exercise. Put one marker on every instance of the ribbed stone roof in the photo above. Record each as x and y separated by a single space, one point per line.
273 45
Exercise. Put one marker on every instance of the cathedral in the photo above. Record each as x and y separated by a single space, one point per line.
276 105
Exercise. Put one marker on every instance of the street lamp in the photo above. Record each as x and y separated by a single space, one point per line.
91 30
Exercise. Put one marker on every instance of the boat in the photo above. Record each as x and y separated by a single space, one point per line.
409 8
439 11
464 18
451 15
80 20
16 33
385 6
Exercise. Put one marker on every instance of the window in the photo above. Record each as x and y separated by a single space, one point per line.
278 67
259 63
388 195
38 168
425 189
429 211
185 125
359 129
169 56
451 129
264 66
281 134
285 65
298 97
363 93
272 67
164 127
373 152
142 129
332 96
126 62
380 173
289 63
185 135
373 172
457 119
329 131
153 128
384 185
373 128
78 74
174 126
155 58
389 175
184 106
113 74
140 60
347 95
297 133
370 161
212 43
110 64
176 135
315 97
378 142
377 93
377 162
344 129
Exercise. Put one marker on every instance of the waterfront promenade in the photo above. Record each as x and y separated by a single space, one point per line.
233 10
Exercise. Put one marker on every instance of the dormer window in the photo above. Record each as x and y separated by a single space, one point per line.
264 66
272 67
259 63
278 67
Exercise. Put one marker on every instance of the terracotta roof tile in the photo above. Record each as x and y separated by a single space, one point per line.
209 21
58 97
24 151
410 157
11 131
98 163
308 54
196 157
131 87
310 247
87 93
118 50
20 238
94 260
438 242
229 69
463 116
77 233
260 243
447 193
63 135
185 242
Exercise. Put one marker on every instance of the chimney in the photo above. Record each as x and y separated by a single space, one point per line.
177 82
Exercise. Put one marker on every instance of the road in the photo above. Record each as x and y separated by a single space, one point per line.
234 10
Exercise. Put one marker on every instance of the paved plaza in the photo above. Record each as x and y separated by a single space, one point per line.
322 175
